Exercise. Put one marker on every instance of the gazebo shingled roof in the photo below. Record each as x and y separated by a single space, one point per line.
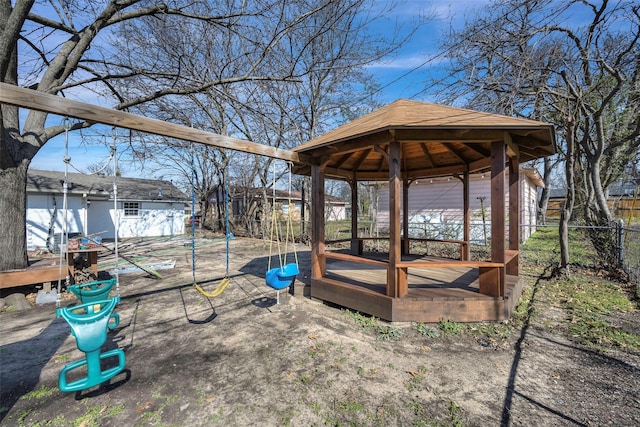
436 140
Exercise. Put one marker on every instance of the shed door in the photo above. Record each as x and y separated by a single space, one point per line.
100 219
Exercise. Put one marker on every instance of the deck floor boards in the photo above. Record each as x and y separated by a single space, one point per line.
457 283
433 294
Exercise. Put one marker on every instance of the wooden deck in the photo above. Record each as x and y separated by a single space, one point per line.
434 294
43 271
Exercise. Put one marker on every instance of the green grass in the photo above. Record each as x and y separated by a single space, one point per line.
591 302
450 328
90 418
426 330
543 248
383 331
41 392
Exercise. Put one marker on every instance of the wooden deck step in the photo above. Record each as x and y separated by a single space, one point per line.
46 270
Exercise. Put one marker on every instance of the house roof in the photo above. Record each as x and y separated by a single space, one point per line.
98 187
435 140
534 176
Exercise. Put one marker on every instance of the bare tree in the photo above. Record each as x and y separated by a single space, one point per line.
323 59
80 47
539 63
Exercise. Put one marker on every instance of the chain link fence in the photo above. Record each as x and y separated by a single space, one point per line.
630 261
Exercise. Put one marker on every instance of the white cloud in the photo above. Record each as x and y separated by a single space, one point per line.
414 60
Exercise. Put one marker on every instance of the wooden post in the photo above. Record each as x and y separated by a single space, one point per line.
514 214
498 160
302 210
356 248
465 251
318 263
405 216
394 289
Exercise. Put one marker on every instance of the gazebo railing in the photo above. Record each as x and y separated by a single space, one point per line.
491 275
463 251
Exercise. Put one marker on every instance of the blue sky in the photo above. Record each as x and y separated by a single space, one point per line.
404 76
401 77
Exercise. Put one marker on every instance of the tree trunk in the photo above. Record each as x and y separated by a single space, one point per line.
567 208
603 213
543 203
13 205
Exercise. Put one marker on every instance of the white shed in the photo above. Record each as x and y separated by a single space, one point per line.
146 207
436 212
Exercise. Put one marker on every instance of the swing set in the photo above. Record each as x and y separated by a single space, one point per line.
228 236
91 320
94 316
284 275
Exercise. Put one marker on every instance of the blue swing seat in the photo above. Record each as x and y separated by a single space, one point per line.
282 277
92 292
88 324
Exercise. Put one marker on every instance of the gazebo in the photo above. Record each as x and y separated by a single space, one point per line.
400 143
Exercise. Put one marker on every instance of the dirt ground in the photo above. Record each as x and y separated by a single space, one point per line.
239 360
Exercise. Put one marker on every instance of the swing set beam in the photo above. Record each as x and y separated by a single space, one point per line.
45 102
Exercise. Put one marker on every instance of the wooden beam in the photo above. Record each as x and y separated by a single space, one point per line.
318 264
30 276
342 147
427 155
514 212
383 175
435 172
405 216
342 159
380 150
479 165
498 160
357 259
356 246
450 148
360 159
438 134
478 149
40 101
512 148
465 252
395 187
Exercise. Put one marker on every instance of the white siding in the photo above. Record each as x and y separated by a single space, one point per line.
436 207
335 212
154 219
100 219
528 209
41 207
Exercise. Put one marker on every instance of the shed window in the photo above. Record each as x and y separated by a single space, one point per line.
131 208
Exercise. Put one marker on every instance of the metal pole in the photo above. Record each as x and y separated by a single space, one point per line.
620 227
116 214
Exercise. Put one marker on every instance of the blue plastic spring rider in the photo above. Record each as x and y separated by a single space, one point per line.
97 291
282 277
88 324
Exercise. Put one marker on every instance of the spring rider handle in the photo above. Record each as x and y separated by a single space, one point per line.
94 292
